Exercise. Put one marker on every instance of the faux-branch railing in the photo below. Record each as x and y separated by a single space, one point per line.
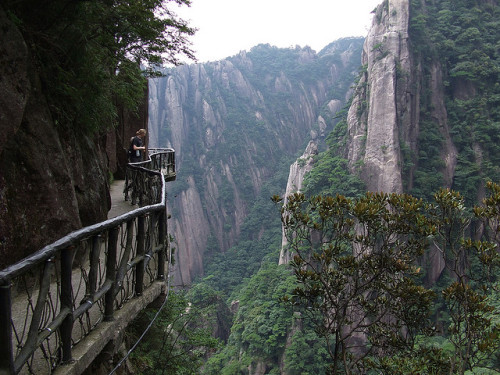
54 298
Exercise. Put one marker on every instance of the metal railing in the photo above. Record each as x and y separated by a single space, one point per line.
53 299
140 188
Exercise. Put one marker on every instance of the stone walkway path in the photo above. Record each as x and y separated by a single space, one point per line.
119 205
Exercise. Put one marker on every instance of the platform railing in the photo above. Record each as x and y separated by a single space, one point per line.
51 300
139 188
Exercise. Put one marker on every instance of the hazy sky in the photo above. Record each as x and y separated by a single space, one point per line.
226 27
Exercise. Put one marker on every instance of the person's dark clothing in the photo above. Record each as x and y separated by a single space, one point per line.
136 155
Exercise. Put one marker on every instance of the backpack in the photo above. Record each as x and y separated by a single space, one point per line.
130 151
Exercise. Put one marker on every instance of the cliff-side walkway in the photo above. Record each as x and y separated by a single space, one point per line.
66 303
119 205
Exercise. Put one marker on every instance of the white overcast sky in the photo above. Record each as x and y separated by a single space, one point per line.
226 27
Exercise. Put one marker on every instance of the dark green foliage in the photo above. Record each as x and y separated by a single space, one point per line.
330 174
424 360
88 54
353 260
180 338
356 263
473 264
462 37
428 176
263 326
307 352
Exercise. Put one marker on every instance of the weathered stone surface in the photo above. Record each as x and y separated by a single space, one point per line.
14 82
39 202
373 116
298 170
52 180
384 115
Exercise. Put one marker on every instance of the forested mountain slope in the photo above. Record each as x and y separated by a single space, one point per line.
233 123
424 115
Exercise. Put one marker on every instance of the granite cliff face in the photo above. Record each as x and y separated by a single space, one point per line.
231 123
385 113
294 184
52 180
383 100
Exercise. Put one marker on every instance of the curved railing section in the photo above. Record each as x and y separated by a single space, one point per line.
52 300
140 188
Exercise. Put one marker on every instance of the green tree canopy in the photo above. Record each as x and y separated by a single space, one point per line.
356 262
88 54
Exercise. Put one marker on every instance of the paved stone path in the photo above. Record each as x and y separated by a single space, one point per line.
119 205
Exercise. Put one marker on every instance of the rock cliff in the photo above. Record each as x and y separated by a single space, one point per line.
232 123
410 124
377 116
52 180
298 170
384 118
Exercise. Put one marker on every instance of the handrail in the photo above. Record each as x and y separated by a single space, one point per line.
136 187
53 299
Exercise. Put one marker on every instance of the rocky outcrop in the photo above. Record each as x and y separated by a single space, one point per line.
382 100
231 122
52 180
385 112
298 170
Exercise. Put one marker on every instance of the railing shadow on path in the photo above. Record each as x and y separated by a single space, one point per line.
62 305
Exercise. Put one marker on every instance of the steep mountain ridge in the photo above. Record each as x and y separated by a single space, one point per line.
382 99
424 112
231 123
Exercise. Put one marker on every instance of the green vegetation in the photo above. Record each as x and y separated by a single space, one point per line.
89 54
353 263
261 330
462 37
363 254
356 264
181 337
330 175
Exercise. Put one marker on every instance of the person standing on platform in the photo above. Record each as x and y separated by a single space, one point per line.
137 148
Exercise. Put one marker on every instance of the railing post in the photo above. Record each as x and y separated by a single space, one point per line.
6 353
142 191
139 268
162 239
126 185
66 302
172 162
94 264
109 299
